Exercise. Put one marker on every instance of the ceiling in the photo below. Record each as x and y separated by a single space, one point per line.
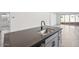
66 13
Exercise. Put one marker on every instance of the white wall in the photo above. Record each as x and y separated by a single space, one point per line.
58 19
25 20
53 20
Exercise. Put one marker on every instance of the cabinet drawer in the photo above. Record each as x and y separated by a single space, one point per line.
51 38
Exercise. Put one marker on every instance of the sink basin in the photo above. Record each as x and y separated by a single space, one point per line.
46 31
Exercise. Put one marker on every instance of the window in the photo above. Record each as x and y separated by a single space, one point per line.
77 18
72 18
62 18
69 18
66 18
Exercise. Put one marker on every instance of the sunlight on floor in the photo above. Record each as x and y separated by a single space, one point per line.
70 36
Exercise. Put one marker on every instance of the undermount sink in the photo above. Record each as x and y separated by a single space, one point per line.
46 31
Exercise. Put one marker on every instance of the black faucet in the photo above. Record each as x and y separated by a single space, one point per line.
42 25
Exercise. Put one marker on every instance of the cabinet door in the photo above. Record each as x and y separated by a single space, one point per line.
50 38
60 38
52 41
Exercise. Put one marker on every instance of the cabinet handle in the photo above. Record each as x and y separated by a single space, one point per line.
53 43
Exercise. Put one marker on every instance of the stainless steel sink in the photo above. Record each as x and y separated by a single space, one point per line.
46 31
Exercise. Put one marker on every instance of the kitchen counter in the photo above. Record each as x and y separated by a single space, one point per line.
27 38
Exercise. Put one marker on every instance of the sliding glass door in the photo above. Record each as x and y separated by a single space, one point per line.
77 18
62 18
69 18
66 18
72 18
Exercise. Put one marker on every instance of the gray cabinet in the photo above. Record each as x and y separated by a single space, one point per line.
60 38
54 40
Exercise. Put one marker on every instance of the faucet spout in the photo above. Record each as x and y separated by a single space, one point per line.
42 22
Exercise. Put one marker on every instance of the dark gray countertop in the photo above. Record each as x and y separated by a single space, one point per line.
26 38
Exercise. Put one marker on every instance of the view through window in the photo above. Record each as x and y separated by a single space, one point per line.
69 18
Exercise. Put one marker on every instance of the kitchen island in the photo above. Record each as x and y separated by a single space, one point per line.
28 37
